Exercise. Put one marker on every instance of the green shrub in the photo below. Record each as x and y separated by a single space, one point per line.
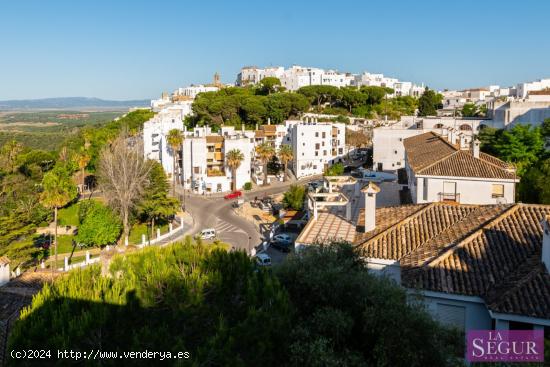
247 186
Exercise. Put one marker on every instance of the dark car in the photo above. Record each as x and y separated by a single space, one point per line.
282 246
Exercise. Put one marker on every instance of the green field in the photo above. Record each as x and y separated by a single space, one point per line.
48 129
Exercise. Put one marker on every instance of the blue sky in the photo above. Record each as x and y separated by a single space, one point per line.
137 49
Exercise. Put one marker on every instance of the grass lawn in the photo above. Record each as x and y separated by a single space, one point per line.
65 245
68 216
142 228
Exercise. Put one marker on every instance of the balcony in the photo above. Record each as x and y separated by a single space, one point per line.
214 172
449 197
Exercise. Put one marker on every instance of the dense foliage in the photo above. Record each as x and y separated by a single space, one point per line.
336 169
22 171
99 225
319 309
429 102
524 146
294 197
184 297
473 110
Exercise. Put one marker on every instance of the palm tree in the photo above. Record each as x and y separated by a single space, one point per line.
265 152
285 156
58 191
82 159
233 159
175 140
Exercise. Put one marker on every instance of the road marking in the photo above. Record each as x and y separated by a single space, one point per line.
222 227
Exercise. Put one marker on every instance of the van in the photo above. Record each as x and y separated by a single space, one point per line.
208 234
263 259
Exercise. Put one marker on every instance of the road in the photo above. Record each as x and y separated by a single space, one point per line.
216 212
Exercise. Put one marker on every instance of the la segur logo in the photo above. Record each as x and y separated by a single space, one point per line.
505 346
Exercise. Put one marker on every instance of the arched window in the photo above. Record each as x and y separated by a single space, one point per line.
481 126
465 127
438 126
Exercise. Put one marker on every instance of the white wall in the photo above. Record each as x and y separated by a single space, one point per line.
4 274
472 191
388 149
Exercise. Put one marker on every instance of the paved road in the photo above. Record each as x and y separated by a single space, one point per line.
215 212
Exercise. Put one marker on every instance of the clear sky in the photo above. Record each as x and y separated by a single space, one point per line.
136 49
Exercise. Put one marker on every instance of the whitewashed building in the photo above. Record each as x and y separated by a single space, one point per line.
523 89
192 90
473 266
316 146
203 165
156 130
388 149
439 170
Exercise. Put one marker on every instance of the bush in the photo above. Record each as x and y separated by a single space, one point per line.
336 169
99 225
294 197
247 186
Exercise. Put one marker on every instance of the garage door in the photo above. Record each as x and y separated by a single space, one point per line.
451 315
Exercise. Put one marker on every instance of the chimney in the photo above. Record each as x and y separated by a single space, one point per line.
475 147
256 126
546 242
370 192
463 141
452 136
269 120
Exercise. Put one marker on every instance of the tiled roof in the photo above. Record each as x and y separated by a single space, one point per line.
214 139
492 251
430 154
269 130
4 260
327 227
259 134
464 164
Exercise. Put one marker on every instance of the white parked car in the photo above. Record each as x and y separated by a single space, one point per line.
208 234
263 259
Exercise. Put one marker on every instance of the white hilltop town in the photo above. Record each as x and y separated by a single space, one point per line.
420 210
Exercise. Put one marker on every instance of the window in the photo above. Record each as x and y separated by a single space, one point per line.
324 152
314 167
316 134
196 170
317 146
316 153
324 135
497 191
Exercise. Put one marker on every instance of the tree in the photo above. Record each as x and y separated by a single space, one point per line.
265 152
269 85
473 110
285 155
233 159
156 206
123 176
8 156
58 191
521 145
336 169
346 316
545 128
82 159
352 98
175 140
99 227
294 197
429 102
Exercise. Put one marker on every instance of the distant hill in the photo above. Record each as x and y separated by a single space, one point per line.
70 103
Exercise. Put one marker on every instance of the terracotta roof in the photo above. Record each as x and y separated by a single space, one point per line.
430 154
269 130
4 260
259 134
328 227
489 251
543 92
214 139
